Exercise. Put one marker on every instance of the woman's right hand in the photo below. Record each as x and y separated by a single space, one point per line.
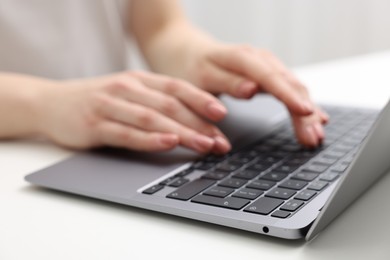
135 110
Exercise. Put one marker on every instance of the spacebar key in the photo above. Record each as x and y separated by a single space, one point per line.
189 190
229 202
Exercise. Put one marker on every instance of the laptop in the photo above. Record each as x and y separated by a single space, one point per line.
268 184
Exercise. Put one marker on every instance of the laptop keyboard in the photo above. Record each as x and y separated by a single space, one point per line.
274 176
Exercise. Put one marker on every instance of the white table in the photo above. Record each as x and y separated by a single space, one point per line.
42 224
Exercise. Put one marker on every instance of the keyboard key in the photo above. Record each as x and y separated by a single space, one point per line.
269 159
261 184
305 195
329 176
204 166
292 205
334 154
166 181
230 202
185 172
264 206
325 160
293 184
232 183
153 189
305 176
228 167
281 214
274 176
259 166
340 168
215 175
286 168
297 160
317 185
246 193
178 182
280 193
318 168
246 174
217 191
191 189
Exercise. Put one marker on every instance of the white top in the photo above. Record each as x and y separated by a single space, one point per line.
62 39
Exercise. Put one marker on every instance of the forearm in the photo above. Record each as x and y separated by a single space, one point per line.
168 42
19 105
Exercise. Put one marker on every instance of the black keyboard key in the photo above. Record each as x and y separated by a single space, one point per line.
228 167
191 189
297 160
264 206
259 166
281 214
261 184
215 175
153 189
246 174
166 181
246 193
269 159
305 176
317 185
232 183
286 168
217 191
305 195
292 205
274 176
329 176
280 193
340 167
318 168
325 160
293 184
185 172
229 202
334 154
204 166
178 182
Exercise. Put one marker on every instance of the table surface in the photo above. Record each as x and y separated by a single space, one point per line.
42 224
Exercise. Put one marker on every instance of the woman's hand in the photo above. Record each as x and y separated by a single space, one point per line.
135 110
243 71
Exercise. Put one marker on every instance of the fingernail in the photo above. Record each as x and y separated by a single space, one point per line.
203 143
223 145
217 111
246 89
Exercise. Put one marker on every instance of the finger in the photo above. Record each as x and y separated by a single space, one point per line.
269 77
119 135
201 102
308 129
167 105
147 119
219 81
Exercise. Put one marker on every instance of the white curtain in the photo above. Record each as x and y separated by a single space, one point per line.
298 31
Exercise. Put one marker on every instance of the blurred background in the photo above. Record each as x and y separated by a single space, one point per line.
297 31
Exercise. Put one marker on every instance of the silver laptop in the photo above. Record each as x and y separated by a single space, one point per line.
268 184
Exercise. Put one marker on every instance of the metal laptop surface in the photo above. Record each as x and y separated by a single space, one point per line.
120 176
